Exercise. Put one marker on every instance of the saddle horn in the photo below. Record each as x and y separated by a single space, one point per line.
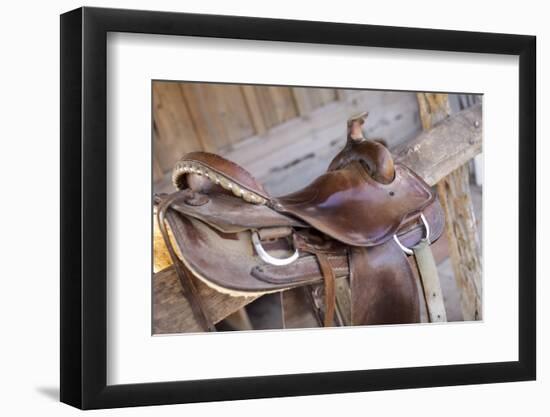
372 155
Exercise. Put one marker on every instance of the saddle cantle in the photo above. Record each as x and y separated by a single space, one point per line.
354 222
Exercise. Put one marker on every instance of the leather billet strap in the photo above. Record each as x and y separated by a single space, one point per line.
183 273
427 270
330 290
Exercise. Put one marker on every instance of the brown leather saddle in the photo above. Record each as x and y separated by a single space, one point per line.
356 222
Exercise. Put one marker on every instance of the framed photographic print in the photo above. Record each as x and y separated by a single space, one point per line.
258 208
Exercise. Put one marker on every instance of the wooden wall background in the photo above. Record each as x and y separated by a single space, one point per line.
284 136
215 117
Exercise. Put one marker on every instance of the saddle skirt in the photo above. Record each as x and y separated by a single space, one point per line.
351 223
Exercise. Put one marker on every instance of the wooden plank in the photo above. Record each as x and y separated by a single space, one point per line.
158 172
220 113
341 94
174 132
226 102
283 102
161 257
253 106
308 99
437 152
209 129
433 108
172 311
303 101
324 96
277 104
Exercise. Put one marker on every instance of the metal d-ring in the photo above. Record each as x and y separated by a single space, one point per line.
426 238
266 257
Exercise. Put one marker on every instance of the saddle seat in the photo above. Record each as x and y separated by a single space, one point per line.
352 207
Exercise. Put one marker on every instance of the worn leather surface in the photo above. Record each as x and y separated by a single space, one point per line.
352 207
231 214
329 278
226 260
383 286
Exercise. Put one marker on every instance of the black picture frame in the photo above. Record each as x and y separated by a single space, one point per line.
84 207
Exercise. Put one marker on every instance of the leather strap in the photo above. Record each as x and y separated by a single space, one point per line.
330 292
430 282
269 233
184 275
305 270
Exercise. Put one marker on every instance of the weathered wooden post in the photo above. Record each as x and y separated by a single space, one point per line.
461 227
